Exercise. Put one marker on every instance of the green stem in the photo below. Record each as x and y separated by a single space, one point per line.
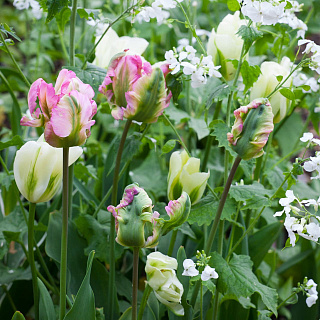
83 28
72 32
4 288
26 81
70 190
221 205
215 305
64 234
172 242
114 200
63 45
201 300
135 280
144 301
32 211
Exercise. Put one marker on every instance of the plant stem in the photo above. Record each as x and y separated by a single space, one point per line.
64 234
83 28
4 288
26 81
63 45
70 190
32 211
221 205
215 305
114 199
146 293
201 300
266 156
135 278
72 32
172 242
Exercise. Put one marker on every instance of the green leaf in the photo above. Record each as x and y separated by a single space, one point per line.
261 241
127 315
84 305
250 74
255 195
305 87
54 7
237 279
88 13
63 17
205 210
18 316
220 132
175 85
168 146
5 29
200 127
176 114
279 78
92 75
6 180
91 198
263 315
46 307
249 35
233 5
218 93
8 275
287 93
83 172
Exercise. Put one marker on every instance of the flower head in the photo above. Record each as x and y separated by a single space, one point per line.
65 111
251 129
189 268
209 273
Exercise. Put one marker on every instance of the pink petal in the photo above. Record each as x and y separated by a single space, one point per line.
33 94
63 80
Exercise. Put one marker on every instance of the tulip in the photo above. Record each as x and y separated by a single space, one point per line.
161 275
65 111
37 169
251 129
184 175
111 44
226 44
138 226
135 90
267 82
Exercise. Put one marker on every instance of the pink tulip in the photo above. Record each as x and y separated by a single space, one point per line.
65 110
135 90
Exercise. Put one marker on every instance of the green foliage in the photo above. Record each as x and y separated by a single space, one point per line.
249 35
63 17
250 74
287 93
46 306
18 316
15 141
168 146
54 7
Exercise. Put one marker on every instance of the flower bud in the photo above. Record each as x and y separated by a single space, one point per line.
37 169
267 82
184 175
226 44
251 129
111 44
161 275
135 90
65 111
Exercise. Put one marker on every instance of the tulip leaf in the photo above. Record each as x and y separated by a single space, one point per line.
54 7
169 145
18 316
250 74
237 280
46 307
205 210
84 305
127 315
287 93
15 141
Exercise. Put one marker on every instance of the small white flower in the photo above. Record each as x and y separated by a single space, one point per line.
189 268
209 273
312 293
311 300
312 202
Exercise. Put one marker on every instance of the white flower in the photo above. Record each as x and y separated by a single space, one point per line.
313 287
285 202
209 273
311 300
312 293
25 4
171 58
288 224
189 268
312 202
307 136
314 231
310 47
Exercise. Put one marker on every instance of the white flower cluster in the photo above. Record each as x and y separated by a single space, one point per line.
198 68
98 24
300 223
266 13
157 10
25 4
312 293
312 47
314 163
300 79
191 271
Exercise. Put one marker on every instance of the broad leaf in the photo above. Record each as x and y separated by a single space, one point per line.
220 132
237 279
8 275
15 141
18 316
249 35
250 74
46 307
54 7
200 127
169 145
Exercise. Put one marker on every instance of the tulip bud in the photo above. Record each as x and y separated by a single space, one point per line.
65 112
111 44
161 275
135 90
184 175
267 82
226 44
251 129
37 169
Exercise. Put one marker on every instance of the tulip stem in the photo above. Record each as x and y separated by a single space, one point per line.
172 242
64 234
114 200
135 278
144 300
72 32
32 211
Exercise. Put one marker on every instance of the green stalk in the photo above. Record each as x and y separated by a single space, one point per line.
70 191
64 234
4 288
26 81
135 279
172 242
114 200
63 45
266 156
83 28
72 32
201 300
144 301
32 211
215 305
257 170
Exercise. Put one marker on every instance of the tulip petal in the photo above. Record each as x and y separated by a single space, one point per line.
63 81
